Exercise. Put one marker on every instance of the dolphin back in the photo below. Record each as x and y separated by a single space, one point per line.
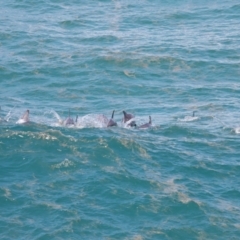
111 122
147 125
25 116
69 121
127 116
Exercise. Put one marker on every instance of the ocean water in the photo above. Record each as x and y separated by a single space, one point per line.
178 179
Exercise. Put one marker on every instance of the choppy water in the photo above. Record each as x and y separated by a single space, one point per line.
176 180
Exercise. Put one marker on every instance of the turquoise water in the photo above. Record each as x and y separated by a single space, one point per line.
178 179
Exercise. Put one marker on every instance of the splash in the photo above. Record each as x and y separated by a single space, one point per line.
8 116
128 123
56 115
237 130
92 121
188 119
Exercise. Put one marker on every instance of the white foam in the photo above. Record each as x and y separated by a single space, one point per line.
21 121
92 121
64 164
7 193
127 124
237 130
188 119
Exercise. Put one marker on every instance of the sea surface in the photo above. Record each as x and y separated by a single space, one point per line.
179 178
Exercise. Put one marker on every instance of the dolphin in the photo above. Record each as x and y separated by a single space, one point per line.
147 125
127 117
193 114
69 120
24 118
111 122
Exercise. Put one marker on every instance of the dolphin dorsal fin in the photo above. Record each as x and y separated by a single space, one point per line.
150 120
113 114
